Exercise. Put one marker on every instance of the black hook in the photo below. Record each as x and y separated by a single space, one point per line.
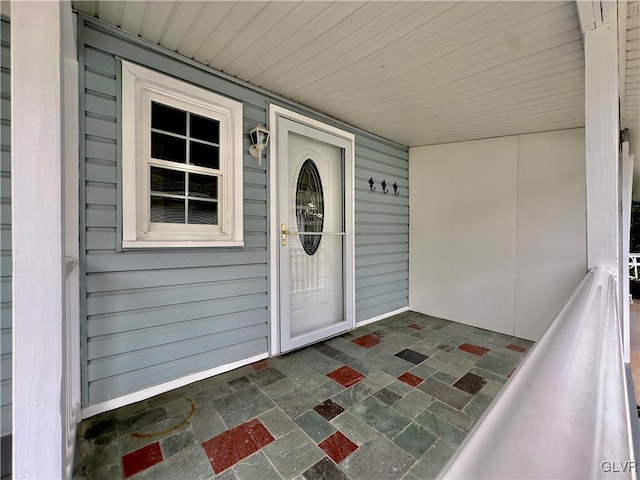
371 182
384 187
395 188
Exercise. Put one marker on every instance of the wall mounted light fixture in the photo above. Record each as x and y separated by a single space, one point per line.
259 140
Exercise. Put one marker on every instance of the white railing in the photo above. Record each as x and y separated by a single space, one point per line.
633 266
565 413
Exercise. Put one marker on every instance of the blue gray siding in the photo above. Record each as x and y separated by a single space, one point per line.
157 315
5 228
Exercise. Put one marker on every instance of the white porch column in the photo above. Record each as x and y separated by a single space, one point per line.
601 131
37 240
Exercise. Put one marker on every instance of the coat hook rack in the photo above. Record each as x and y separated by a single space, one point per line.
371 183
395 189
385 190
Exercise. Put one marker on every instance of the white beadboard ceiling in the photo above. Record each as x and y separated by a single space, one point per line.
417 72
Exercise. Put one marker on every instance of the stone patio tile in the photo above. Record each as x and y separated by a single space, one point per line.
226 475
210 394
296 402
423 371
453 416
411 356
352 395
266 376
279 388
239 383
307 378
141 420
255 467
491 389
433 461
241 406
444 367
470 383
206 423
502 379
387 396
326 390
325 469
293 454
478 405
277 422
315 425
496 363
449 395
103 472
443 429
415 440
402 338
381 417
151 434
378 379
444 378
176 442
191 463
377 459
400 388
413 403
390 364
354 428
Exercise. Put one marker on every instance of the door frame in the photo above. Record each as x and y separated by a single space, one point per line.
275 112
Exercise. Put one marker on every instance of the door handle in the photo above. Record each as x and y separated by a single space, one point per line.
283 234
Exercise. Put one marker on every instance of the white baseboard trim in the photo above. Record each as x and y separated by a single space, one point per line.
92 410
381 317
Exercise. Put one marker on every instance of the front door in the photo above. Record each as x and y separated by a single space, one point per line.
315 248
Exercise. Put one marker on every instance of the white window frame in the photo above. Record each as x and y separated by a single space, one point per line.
140 86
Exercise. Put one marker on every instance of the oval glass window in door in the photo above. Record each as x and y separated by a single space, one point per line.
309 206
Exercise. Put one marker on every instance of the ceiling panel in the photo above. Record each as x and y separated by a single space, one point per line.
417 73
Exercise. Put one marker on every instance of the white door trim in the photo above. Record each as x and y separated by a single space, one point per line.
276 111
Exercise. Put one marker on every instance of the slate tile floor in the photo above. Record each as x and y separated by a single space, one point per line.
392 399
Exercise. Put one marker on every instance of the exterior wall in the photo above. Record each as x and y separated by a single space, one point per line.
5 226
153 316
498 229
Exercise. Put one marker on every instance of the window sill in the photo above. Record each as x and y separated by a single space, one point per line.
181 244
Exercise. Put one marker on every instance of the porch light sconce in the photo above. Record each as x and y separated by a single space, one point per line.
259 140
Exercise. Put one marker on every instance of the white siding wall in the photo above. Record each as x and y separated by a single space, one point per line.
498 229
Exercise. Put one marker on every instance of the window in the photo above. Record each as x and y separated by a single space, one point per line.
182 163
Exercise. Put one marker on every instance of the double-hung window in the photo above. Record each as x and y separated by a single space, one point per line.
182 163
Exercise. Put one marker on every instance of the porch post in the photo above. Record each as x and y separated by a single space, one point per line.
37 239
601 131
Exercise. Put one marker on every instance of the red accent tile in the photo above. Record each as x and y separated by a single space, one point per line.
470 383
141 459
516 348
230 447
475 349
410 379
260 365
416 327
329 409
338 447
367 341
345 376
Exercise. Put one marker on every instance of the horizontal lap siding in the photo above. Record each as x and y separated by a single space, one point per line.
158 315
5 226
152 316
382 229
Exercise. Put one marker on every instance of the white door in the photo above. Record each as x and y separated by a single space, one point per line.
314 210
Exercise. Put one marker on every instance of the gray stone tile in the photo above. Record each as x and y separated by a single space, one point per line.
239 383
293 454
208 395
325 469
127 411
387 396
296 402
103 472
379 458
381 417
151 434
378 379
141 420
444 367
414 403
400 388
401 338
307 378
494 362
453 416
352 395
492 389
354 428
179 408
266 376
445 378
478 405
177 442
242 405
191 463
256 467
443 429
415 440
390 364
502 379
433 461
226 475
279 388
447 394
206 423
315 425
326 390
92 456
277 422
423 371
